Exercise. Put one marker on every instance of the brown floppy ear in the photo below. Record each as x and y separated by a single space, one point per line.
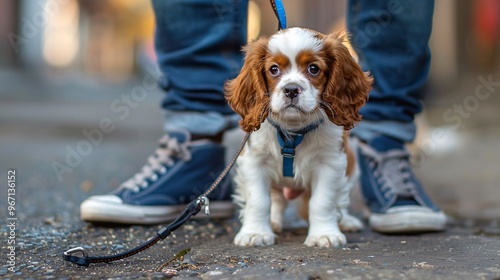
247 94
347 87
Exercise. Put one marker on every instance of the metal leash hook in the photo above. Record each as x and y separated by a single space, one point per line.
77 250
191 209
205 202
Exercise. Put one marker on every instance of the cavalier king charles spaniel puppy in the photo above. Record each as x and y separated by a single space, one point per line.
299 91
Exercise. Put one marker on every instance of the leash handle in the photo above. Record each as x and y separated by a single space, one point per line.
279 11
191 209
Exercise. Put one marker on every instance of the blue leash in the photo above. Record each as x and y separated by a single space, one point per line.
279 11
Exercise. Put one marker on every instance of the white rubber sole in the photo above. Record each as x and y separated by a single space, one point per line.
408 219
105 211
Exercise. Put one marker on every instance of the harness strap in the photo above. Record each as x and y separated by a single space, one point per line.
288 145
288 141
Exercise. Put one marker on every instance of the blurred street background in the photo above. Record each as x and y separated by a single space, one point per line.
79 114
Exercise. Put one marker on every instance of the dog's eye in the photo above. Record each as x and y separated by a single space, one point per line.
274 70
313 69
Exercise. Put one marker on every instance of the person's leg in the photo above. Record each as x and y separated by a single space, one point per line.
391 38
198 46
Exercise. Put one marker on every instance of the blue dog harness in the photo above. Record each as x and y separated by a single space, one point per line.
289 140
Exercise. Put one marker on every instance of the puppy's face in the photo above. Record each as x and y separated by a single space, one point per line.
298 76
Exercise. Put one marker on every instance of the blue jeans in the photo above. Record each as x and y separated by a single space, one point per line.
198 46
391 38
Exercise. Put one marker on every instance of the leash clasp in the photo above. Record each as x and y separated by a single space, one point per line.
77 250
204 202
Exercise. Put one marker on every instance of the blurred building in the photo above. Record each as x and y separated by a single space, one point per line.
112 38
9 12
97 37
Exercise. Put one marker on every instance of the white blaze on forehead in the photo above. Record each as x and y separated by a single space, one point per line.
292 41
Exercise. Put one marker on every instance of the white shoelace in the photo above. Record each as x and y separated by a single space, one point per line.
392 171
169 149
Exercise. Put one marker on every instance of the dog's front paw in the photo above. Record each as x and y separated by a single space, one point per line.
350 223
326 240
244 238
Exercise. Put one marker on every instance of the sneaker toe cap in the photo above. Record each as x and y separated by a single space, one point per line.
408 219
109 199
410 209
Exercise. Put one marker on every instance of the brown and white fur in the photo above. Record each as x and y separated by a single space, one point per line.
328 86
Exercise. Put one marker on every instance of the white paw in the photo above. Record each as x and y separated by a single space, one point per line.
350 223
326 240
254 238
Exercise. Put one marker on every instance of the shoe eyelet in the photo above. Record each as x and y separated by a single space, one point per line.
144 184
136 190
154 177
163 170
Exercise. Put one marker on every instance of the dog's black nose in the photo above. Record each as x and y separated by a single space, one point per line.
292 90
